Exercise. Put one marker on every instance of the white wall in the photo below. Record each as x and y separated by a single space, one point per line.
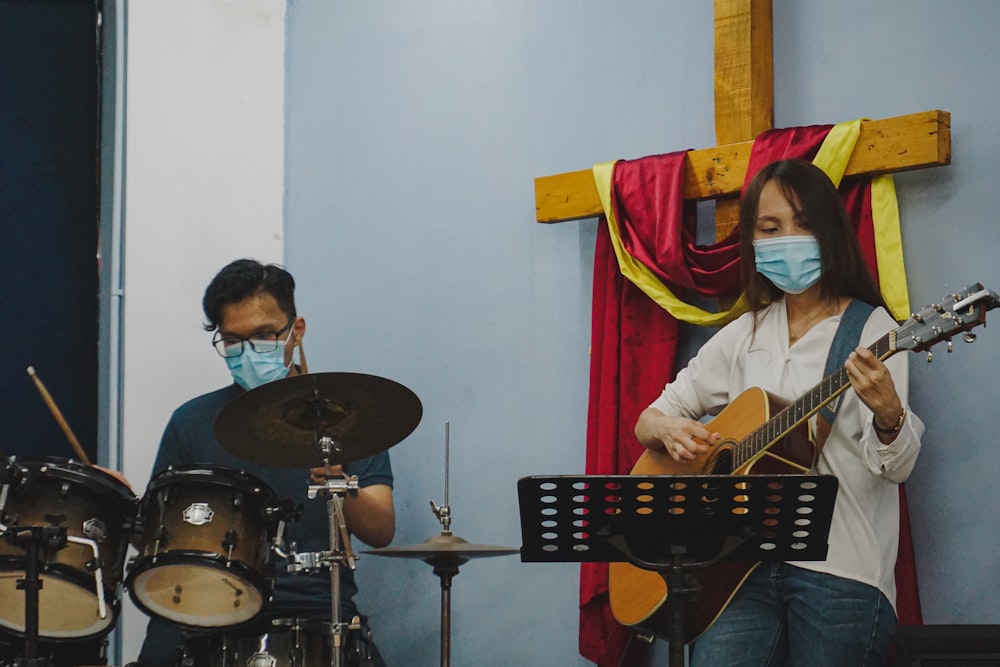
204 163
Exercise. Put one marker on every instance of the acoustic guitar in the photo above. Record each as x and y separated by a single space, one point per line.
764 435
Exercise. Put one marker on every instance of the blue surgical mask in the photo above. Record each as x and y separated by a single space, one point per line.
792 263
253 369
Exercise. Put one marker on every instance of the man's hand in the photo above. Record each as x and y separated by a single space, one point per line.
319 475
114 473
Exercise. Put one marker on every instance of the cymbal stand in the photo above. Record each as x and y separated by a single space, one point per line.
443 512
340 553
445 568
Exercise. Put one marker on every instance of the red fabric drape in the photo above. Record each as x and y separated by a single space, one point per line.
634 340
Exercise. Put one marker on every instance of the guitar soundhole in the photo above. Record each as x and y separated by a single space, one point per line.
723 464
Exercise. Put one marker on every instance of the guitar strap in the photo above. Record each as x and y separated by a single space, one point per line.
848 335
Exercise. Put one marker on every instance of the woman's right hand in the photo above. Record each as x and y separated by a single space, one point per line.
683 439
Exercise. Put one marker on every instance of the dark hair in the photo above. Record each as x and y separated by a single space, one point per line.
242 279
815 199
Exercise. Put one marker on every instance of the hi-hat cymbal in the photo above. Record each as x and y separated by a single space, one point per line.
281 424
444 550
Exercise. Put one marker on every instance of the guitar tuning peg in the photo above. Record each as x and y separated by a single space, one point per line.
969 337
930 356
951 348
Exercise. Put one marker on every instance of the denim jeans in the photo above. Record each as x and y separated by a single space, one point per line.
786 616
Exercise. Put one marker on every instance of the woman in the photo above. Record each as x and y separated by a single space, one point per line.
801 268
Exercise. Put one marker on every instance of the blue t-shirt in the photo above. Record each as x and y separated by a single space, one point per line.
189 439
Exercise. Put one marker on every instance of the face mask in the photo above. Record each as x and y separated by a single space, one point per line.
253 369
792 263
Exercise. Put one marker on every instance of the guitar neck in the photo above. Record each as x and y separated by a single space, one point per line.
796 413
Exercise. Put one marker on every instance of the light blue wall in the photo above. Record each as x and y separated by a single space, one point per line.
414 133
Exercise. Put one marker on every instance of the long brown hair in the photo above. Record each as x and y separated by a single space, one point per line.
811 193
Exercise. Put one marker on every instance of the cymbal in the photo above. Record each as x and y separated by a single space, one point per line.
444 550
280 424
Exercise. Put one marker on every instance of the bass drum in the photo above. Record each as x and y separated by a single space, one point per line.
81 581
284 643
203 547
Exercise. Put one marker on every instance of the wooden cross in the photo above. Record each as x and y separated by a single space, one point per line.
744 94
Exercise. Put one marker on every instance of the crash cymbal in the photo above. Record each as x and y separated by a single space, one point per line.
444 550
281 424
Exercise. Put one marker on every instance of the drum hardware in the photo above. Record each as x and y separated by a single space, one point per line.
283 642
445 553
33 539
320 420
83 527
309 421
204 546
94 566
79 577
341 553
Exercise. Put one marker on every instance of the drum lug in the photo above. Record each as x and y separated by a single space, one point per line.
162 539
229 542
94 529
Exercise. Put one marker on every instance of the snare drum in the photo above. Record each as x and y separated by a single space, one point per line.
204 546
80 581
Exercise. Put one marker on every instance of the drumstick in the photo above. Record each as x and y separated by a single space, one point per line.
302 359
58 415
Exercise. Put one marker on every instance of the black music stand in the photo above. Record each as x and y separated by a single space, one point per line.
672 524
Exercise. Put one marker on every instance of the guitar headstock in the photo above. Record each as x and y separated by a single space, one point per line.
957 313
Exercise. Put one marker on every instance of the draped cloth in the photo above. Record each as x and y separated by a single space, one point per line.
635 329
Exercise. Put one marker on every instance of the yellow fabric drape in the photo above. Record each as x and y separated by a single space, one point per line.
832 158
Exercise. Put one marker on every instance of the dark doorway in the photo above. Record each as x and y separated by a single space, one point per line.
49 182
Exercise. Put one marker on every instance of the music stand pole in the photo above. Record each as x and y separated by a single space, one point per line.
681 587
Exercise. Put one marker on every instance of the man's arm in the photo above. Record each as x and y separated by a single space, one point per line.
371 515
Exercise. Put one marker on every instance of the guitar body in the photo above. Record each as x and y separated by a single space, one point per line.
637 596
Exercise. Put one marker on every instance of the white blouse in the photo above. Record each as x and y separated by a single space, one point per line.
864 533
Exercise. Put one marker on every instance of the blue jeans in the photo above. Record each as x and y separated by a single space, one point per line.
786 616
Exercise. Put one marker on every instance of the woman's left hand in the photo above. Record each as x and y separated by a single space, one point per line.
873 384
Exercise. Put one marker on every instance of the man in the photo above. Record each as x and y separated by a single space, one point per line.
250 308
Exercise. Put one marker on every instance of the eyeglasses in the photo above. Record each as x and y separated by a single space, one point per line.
230 347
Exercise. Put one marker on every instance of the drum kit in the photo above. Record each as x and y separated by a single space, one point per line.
208 537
